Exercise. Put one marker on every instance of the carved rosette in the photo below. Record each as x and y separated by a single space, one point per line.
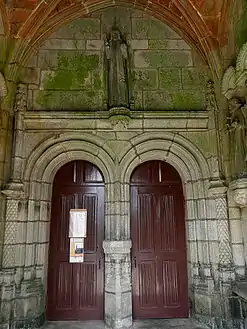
239 189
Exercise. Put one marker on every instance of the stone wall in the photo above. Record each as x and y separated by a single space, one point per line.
68 70
67 74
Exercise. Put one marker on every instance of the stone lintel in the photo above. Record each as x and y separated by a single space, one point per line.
117 247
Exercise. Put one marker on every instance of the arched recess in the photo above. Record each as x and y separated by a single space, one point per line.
173 148
193 169
184 19
41 167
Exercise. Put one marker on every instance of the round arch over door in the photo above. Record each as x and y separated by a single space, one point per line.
75 290
159 262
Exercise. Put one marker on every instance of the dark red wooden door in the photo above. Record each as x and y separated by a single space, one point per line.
160 284
75 290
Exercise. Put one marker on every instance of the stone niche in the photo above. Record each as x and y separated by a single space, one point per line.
68 70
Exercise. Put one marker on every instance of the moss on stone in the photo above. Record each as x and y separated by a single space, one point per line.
187 100
158 44
170 79
193 78
85 28
97 80
241 28
146 28
87 100
72 73
145 79
167 58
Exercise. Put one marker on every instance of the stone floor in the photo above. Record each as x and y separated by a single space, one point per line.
145 324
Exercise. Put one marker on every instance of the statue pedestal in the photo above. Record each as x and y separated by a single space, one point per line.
119 117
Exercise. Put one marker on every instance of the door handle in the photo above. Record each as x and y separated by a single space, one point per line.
134 262
99 263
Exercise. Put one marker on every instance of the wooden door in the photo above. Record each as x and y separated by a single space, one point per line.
75 290
159 266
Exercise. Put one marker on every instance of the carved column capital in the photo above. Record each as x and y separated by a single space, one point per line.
217 188
14 191
239 189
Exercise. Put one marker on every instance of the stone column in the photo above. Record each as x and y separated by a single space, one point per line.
118 296
17 150
239 194
12 252
219 194
223 273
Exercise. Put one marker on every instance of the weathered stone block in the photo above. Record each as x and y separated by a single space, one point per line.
157 100
193 78
145 79
188 100
94 44
168 44
47 59
139 44
31 75
86 28
97 80
170 78
146 28
87 100
138 100
162 58
66 44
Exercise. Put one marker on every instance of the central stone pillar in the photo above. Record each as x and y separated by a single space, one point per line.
118 296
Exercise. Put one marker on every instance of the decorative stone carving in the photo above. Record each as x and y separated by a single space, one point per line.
17 149
234 79
210 95
212 106
218 190
234 87
118 70
3 87
239 188
119 118
237 125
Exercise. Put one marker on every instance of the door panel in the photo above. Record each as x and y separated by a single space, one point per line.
159 270
75 290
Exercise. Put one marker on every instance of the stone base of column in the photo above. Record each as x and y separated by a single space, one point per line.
118 296
22 306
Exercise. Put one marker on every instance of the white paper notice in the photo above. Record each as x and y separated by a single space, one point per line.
76 254
78 223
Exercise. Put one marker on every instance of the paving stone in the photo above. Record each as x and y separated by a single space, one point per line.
141 324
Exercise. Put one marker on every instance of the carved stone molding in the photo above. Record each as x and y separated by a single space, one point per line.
239 189
119 118
14 191
3 87
217 188
234 79
117 247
